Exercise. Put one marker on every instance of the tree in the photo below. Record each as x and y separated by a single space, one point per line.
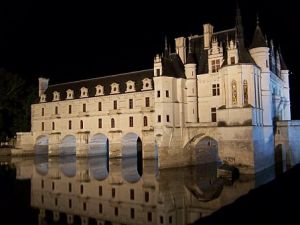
16 97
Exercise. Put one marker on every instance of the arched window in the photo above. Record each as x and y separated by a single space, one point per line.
112 123
234 92
145 121
245 90
81 124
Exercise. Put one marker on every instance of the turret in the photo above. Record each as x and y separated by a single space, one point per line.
43 85
157 66
191 85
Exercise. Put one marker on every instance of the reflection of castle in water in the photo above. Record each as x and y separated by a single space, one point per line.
91 191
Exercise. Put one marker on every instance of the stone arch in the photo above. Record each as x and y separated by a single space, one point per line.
41 146
132 157
206 151
68 145
99 145
98 167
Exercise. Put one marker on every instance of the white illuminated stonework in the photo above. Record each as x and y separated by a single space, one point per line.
212 93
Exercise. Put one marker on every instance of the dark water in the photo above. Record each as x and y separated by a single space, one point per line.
94 191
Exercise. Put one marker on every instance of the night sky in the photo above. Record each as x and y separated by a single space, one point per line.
66 40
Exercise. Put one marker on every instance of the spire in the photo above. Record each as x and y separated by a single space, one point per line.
239 26
166 50
258 37
282 62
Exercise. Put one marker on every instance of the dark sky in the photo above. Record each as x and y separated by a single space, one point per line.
66 40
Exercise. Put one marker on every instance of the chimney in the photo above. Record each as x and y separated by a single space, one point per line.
208 31
181 48
43 85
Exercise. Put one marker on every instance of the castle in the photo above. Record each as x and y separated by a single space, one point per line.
214 99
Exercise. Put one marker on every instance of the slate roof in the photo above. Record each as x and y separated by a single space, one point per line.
258 39
106 81
172 66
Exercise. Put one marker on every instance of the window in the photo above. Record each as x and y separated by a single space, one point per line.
114 88
213 114
158 72
100 190
158 94
81 124
116 211
147 196
53 126
70 94
131 121
84 107
113 192
130 86
53 185
131 194
132 213
149 216
70 203
234 92
42 198
99 106
145 121
267 64
147 85
100 123
115 106
81 189
232 60
70 187
170 219
245 90
167 94
43 126
42 184
100 208
84 92
112 123
43 98
99 90
159 118
215 65
84 206
70 124
70 109
55 201
43 112
216 89
168 118
161 219
130 103
56 110
147 102
56 96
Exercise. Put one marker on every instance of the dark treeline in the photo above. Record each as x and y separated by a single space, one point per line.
16 97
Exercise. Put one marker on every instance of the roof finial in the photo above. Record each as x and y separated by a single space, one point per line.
257 19
166 42
239 25
190 44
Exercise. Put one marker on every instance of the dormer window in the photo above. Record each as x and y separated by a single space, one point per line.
43 98
147 85
99 90
70 94
84 92
130 86
215 65
56 96
114 88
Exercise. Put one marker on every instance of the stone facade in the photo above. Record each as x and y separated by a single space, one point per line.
213 99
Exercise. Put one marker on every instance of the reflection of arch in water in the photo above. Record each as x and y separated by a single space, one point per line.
98 167
68 145
41 165
41 145
206 151
99 145
68 165
130 171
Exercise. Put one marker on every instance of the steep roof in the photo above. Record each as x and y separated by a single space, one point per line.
172 66
258 39
106 81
